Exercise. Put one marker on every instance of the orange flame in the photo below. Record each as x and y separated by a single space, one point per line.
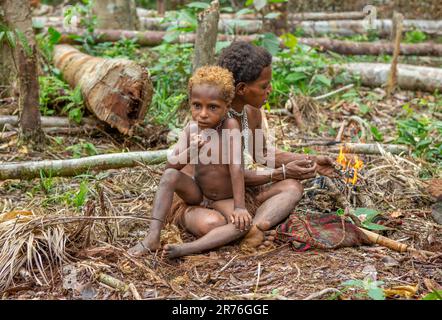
355 164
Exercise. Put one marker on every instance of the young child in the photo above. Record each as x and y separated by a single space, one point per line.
211 91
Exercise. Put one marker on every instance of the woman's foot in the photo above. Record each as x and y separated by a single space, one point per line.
150 244
171 251
257 238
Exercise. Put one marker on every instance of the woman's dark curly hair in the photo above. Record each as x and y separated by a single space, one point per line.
244 60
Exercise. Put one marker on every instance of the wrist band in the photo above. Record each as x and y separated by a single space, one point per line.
283 170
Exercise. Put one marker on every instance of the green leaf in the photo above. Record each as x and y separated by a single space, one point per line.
323 79
364 108
24 42
289 40
435 295
294 77
376 294
376 134
10 36
374 226
54 36
271 43
199 5
259 4
2 35
368 212
353 283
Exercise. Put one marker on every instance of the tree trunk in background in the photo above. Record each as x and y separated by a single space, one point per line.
206 36
8 73
17 14
116 14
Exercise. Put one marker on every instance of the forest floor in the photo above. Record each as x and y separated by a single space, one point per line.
277 272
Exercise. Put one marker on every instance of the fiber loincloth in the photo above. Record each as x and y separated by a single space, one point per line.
180 208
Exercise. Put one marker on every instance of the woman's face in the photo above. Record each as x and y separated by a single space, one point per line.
257 92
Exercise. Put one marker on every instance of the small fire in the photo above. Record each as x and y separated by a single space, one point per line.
354 165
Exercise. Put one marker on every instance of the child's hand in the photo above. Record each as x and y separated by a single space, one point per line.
241 218
197 141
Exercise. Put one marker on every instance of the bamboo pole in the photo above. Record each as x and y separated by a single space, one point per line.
73 167
392 244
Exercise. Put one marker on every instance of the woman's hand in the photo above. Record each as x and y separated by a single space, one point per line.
325 166
301 169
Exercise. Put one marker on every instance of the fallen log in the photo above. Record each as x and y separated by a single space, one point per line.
47 122
73 167
371 148
154 38
295 16
158 24
372 48
117 91
409 77
352 27
321 16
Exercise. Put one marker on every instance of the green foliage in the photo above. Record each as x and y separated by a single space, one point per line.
367 216
82 149
435 295
414 36
13 37
87 21
123 48
170 73
71 198
45 44
423 135
57 97
368 287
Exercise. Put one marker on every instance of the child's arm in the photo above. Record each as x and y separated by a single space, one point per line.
181 154
241 217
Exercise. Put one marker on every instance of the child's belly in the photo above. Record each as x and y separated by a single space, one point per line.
214 181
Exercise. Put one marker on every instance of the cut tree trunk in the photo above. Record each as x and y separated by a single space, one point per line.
117 91
73 167
18 18
409 77
47 122
116 14
206 35
372 48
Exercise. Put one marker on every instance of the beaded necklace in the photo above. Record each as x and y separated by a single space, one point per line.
248 159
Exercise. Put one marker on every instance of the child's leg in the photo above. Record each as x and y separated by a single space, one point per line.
215 238
171 181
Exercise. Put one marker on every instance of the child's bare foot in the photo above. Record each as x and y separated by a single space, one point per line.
171 251
149 244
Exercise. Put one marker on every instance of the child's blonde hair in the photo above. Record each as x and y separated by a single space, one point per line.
217 76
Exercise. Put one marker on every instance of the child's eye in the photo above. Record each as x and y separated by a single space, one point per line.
196 106
213 107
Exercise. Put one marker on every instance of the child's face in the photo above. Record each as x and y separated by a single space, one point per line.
257 92
207 105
